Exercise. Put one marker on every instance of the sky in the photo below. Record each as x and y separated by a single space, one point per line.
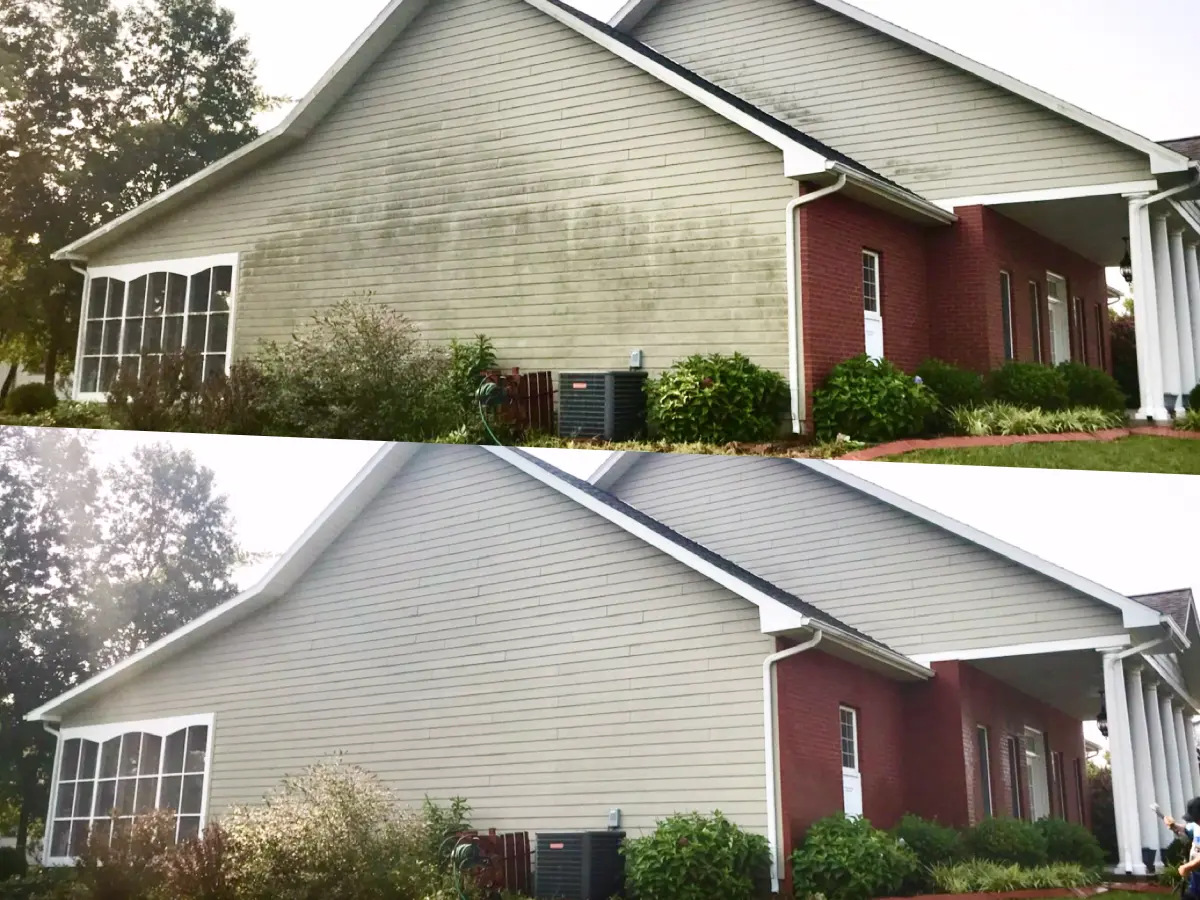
1130 61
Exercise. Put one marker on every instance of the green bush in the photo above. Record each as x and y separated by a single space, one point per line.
12 863
933 843
1092 388
1104 824
716 399
1193 398
697 857
847 859
30 399
1067 842
128 869
1124 358
68 414
1189 421
983 876
57 883
468 363
954 387
1005 419
871 401
1029 386
1011 841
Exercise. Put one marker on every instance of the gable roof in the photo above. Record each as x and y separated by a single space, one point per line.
1179 605
1189 147
1163 159
780 611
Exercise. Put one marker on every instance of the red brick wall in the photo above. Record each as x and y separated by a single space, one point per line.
834 231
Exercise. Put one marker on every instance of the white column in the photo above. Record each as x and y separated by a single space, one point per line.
1143 778
1171 749
1183 316
1191 265
1185 769
1168 336
1193 760
1158 759
1145 308
1120 751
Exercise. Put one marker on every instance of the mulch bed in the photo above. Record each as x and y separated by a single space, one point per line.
895 448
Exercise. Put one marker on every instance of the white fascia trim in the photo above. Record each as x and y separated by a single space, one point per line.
798 159
1188 215
1042 196
774 617
1113 642
630 15
324 530
160 727
292 130
908 200
614 468
1169 678
186 267
1133 614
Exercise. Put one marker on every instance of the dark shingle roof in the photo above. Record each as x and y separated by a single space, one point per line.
760 584
1176 604
1189 147
737 102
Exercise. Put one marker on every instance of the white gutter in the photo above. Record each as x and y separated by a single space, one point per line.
1171 192
772 767
794 300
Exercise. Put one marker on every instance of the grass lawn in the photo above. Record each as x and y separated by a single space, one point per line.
1173 456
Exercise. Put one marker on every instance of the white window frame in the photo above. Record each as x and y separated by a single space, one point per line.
1035 298
1065 300
101 733
857 767
983 744
129 272
1008 332
877 265
1012 748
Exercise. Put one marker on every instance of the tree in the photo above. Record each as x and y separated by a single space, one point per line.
91 570
100 110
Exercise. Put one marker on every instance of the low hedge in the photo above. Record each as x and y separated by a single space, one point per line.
1013 842
985 876
1029 386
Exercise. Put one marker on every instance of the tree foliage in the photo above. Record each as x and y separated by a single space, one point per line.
91 570
101 108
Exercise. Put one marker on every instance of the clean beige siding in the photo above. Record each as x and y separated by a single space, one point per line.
900 579
934 128
476 633
497 172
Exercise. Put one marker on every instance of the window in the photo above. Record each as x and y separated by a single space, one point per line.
1060 324
1079 791
1060 783
127 770
1101 360
871 292
849 723
1082 328
134 314
1035 304
1006 322
1014 779
985 770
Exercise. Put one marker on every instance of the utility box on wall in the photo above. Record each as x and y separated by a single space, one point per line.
606 405
578 865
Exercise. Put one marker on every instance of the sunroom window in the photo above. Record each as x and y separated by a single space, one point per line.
134 314
125 771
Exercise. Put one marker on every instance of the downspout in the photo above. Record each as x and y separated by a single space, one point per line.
50 729
795 317
769 730
83 305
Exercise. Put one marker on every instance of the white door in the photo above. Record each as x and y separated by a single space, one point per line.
1035 769
1060 319
852 798
872 305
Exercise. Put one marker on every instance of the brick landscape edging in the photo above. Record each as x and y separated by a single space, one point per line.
1005 440
1132 887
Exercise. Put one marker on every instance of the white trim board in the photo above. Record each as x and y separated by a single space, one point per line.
1134 614
281 577
1114 642
1048 194
799 160
1162 159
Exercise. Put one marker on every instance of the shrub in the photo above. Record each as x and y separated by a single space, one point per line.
934 844
1189 421
130 866
846 859
955 388
696 857
1104 824
68 414
871 401
12 863
1092 388
1005 419
358 372
56 883
1124 358
1193 398
716 399
1067 842
468 364
1011 841
30 399
200 869
1028 385
977 875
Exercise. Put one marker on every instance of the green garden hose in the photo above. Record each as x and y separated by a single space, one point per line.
483 396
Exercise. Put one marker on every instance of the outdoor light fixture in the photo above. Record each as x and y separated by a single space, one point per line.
1127 264
1102 718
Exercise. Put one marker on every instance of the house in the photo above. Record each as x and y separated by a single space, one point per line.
791 179
779 640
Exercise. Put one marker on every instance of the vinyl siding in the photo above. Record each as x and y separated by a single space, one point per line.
900 579
497 172
934 128
475 633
